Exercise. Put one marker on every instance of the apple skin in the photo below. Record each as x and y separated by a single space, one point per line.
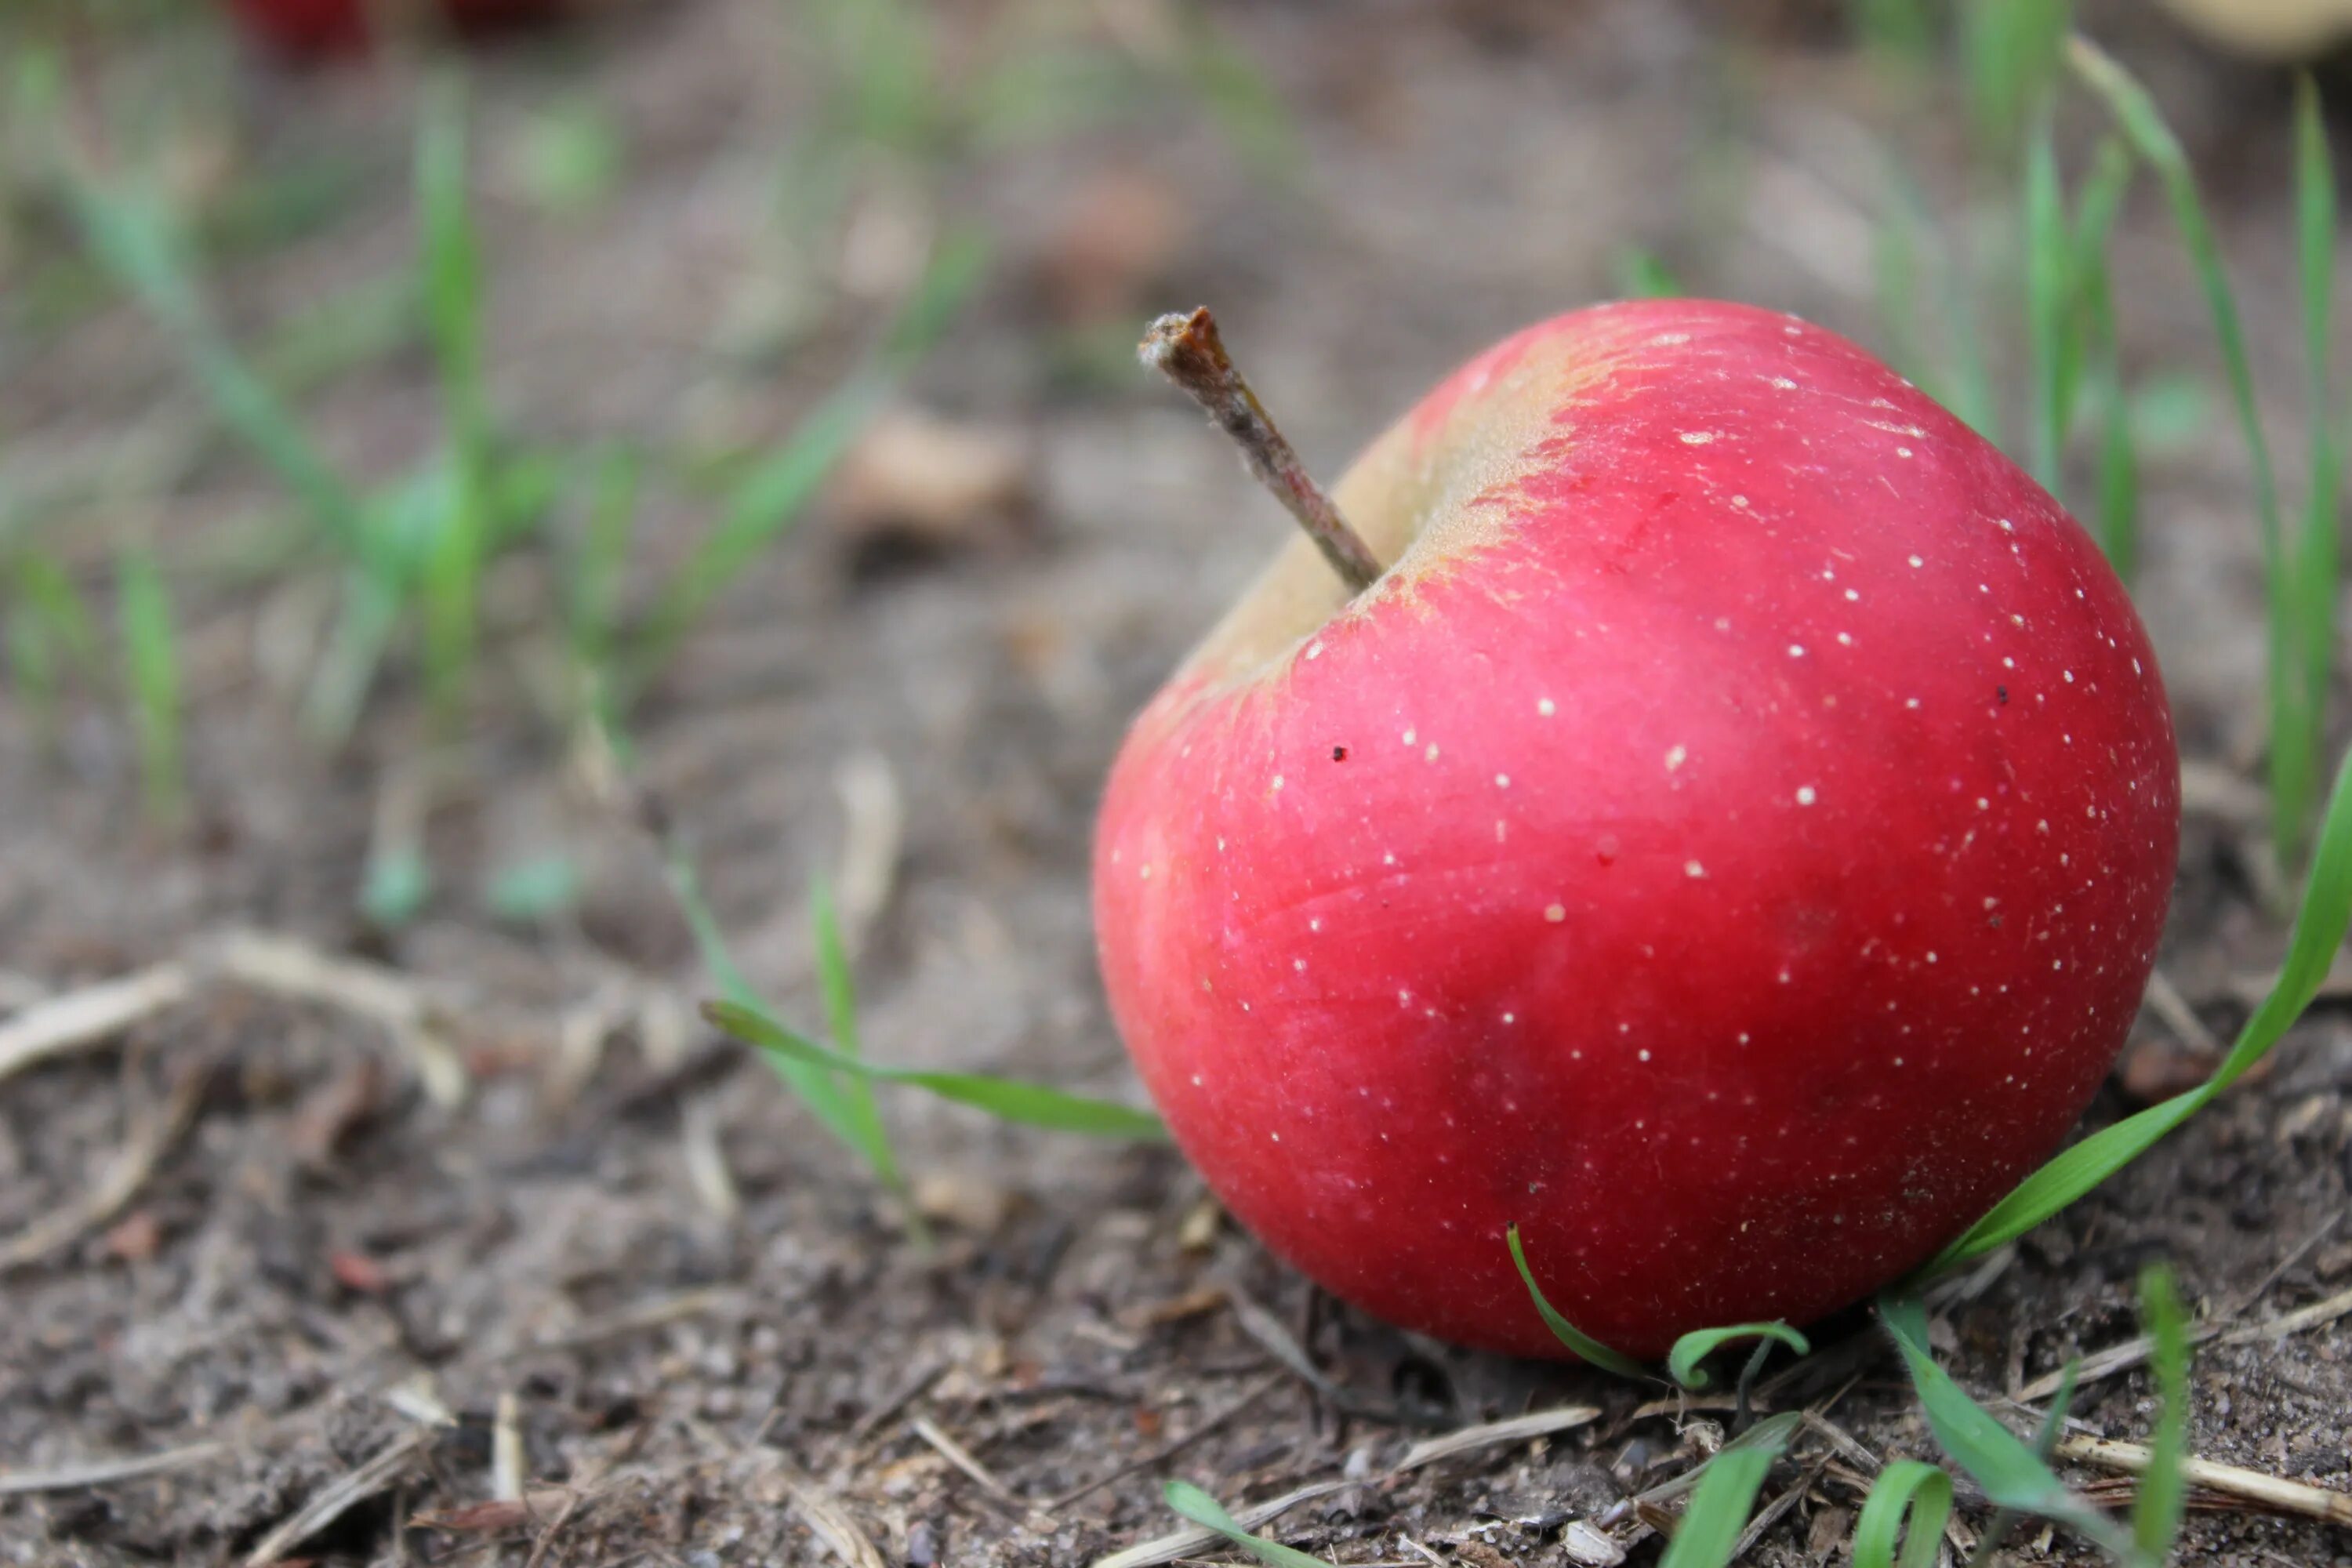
1730 842
312 29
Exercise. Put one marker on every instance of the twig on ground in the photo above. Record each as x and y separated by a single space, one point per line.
962 1458
652 1314
341 1495
2165 1000
104 1472
1516 1429
1772 1512
295 971
2132 1353
831 1525
144 1148
1183 1543
505 1449
874 816
2270 1492
88 1016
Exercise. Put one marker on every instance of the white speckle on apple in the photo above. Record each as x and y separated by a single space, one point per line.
1502 781
1796 650
1917 562
1669 340
2008 663
1299 964
1784 384
1911 702
2017 620
1389 858
1409 737
1805 795
1147 873
1902 451
2067 738
1404 998
1850 594
1784 978
1430 755
1510 1017
1693 868
1644 1053
1739 500
1315 650
1931 957
2042 826
1846 639
1697 437
1555 913
1723 623
1502 830
1278 780
1983 804
1276 1136
1675 756
1316 923
2069 674
1545 706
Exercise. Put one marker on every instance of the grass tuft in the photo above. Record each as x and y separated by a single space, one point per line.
1682 1361
2008 1472
1906 1490
1726 1495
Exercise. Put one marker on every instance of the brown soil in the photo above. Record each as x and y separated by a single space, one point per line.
702 1321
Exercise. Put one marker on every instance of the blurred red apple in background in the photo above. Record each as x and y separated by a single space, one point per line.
310 28
1729 840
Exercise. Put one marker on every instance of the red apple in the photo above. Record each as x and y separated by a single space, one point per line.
305 29
1730 840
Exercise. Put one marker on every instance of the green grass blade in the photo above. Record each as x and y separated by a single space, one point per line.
2008 57
2317 566
2163 1490
2045 1444
1643 274
1717 1514
1901 29
2295 744
151 665
2117 521
1586 1347
2087 296
766 502
1204 1511
838 987
450 269
2049 272
1906 1489
1996 1460
814 1083
1007 1100
1682 1361
761 509
135 242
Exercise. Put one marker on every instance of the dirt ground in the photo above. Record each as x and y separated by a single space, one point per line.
558 1233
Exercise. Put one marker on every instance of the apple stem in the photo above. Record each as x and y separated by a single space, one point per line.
1187 350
